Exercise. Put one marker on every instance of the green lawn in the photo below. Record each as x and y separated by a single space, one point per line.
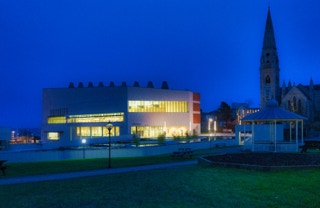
190 186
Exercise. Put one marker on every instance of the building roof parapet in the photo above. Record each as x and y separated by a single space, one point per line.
164 85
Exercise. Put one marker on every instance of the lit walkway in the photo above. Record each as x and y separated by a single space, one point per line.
60 176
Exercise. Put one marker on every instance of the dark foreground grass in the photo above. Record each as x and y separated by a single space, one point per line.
191 186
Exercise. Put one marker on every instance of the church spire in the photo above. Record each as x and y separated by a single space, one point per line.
269 41
269 66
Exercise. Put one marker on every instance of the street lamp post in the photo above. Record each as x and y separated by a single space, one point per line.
109 127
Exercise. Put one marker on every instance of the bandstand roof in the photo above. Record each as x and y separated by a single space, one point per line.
272 112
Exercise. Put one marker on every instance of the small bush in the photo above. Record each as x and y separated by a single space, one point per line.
188 137
136 140
176 137
161 138
194 134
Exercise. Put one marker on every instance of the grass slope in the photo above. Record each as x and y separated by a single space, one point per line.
192 186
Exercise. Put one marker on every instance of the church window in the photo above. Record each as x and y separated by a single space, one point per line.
267 79
299 106
294 104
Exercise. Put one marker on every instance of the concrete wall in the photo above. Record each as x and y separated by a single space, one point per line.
52 155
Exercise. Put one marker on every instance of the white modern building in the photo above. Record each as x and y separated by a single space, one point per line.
75 113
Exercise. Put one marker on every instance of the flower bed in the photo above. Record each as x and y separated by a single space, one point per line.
263 161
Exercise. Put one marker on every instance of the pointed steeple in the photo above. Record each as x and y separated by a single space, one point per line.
311 86
269 41
289 85
269 66
269 56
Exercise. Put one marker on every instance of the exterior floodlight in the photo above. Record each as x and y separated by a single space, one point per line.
83 141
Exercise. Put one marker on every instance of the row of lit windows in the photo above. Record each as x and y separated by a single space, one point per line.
147 131
57 120
158 106
87 118
134 106
96 131
89 132
155 131
142 131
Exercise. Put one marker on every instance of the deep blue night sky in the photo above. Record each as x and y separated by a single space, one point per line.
208 46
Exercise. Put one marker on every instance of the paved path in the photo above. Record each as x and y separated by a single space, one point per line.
59 176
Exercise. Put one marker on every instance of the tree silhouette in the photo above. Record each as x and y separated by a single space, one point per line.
225 114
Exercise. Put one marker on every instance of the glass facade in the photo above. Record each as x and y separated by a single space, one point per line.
96 118
87 118
147 131
153 106
155 131
96 131
57 120
134 106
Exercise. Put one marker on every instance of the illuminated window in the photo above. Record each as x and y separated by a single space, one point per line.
87 118
96 118
57 120
54 136
158 106
115 131
152 132
147 131
85 131
96 131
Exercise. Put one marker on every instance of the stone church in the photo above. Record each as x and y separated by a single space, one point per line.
300 99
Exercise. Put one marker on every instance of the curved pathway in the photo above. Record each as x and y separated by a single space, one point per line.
60 176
